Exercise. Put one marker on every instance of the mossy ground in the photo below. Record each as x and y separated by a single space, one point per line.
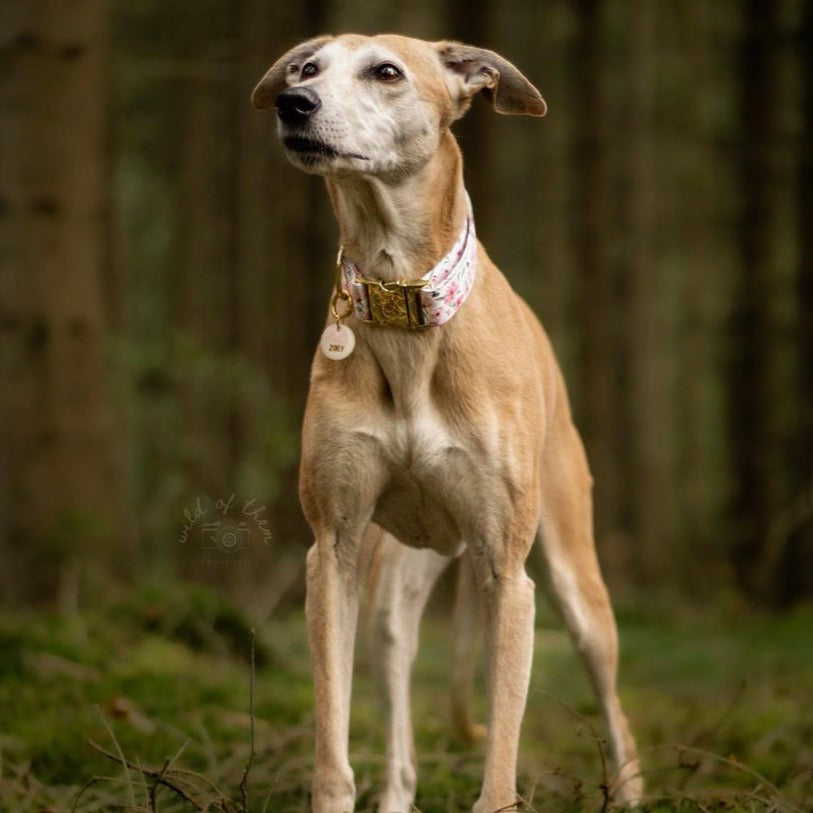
721 707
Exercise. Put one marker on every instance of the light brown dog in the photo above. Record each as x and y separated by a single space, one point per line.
447 425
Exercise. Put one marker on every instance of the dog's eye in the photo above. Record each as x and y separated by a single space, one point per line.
309 69
387 72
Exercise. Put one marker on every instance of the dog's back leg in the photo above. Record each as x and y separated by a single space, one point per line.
466 625
578 591
404 579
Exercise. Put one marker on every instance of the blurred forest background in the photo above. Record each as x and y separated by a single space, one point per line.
164 275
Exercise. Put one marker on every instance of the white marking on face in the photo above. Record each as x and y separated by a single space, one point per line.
372 119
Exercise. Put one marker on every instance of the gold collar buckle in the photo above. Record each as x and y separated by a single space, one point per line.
396 304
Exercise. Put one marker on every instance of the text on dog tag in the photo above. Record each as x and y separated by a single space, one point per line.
337 342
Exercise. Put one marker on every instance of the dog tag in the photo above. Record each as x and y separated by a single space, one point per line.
337 342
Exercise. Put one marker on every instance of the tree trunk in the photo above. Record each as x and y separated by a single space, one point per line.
699 470
595 404
791 548
551 265
56 431
202 310
649 363
751 368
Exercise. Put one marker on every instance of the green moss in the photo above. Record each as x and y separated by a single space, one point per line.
719 706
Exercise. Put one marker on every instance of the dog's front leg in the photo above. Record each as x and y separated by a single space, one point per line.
332 612
509 607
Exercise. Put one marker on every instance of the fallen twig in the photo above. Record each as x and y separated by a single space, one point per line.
158 776
250 760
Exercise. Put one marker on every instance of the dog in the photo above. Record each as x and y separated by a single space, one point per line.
437 421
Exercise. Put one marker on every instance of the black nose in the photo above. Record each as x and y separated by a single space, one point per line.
297 105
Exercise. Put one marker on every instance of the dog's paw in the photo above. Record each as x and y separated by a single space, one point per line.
334 794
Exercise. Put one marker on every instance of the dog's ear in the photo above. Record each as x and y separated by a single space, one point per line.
471 70
274 81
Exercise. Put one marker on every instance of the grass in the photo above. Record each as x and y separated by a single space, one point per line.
145 706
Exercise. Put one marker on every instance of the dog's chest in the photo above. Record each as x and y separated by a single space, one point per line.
434 481
417 443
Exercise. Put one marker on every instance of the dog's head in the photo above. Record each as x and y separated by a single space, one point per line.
378 105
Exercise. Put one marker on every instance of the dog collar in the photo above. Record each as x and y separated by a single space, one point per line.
429 301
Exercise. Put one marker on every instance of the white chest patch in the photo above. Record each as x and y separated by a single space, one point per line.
421 440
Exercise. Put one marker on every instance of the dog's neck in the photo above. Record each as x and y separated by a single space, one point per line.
398 229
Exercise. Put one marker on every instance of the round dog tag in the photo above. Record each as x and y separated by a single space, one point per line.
337 342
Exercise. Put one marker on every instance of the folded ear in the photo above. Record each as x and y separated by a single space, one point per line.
471 70
274 81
